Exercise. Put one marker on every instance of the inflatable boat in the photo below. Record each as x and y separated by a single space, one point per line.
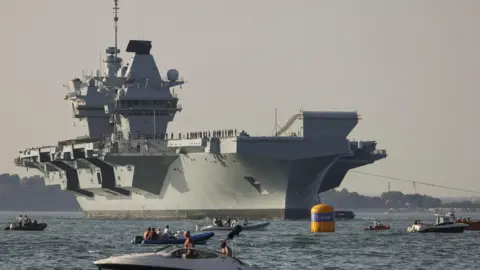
250 227
198 239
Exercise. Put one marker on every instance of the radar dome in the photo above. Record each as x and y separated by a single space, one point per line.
172 75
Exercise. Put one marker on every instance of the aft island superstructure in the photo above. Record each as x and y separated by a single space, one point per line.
126 164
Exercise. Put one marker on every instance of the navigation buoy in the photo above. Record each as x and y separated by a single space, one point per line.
323 218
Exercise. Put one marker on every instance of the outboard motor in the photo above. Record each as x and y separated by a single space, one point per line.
235 232
137 240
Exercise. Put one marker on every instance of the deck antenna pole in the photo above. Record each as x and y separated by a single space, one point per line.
276 123
115 19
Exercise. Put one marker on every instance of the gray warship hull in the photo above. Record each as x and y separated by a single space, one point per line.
205 185
224 192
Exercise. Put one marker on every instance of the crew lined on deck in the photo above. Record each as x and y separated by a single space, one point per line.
224 133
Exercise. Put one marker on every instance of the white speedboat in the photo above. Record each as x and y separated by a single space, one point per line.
249 227
443 224
173 257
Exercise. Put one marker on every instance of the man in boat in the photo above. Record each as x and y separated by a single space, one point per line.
159 231
27 221
245 222
229 222
167 233
217 222
20 221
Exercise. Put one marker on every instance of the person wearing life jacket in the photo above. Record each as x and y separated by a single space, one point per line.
226 250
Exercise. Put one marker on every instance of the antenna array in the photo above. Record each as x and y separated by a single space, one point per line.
115 19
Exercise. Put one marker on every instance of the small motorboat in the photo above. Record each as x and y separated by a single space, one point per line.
249 227
377 228
31 227
173 257
443 224
198 239
473 225
344 215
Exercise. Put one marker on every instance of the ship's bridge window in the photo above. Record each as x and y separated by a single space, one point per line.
135 102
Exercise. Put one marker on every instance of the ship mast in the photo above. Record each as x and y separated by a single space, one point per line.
115 19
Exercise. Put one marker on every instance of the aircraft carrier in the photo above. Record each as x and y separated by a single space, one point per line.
126 164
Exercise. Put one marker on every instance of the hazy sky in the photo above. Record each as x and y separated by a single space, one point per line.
408 67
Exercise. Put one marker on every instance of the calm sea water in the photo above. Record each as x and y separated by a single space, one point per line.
73 242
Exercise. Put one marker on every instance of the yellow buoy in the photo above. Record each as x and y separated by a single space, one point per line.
323 218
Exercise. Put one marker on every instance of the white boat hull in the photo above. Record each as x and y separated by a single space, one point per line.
446 228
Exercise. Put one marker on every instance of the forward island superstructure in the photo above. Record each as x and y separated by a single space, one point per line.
126 164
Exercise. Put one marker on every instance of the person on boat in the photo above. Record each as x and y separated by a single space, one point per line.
159 230
145 234
27 222
153 234
245 222
215 222
167 231
189 245
229 222
35 224
226 250
20 221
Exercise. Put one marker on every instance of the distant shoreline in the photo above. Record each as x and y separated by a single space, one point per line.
40 211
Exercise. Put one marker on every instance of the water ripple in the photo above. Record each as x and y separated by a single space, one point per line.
72 242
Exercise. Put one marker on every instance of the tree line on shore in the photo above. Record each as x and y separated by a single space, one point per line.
31 194
393 199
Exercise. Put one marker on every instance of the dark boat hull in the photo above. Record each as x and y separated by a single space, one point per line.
377 229
444 230
344 215
39 227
